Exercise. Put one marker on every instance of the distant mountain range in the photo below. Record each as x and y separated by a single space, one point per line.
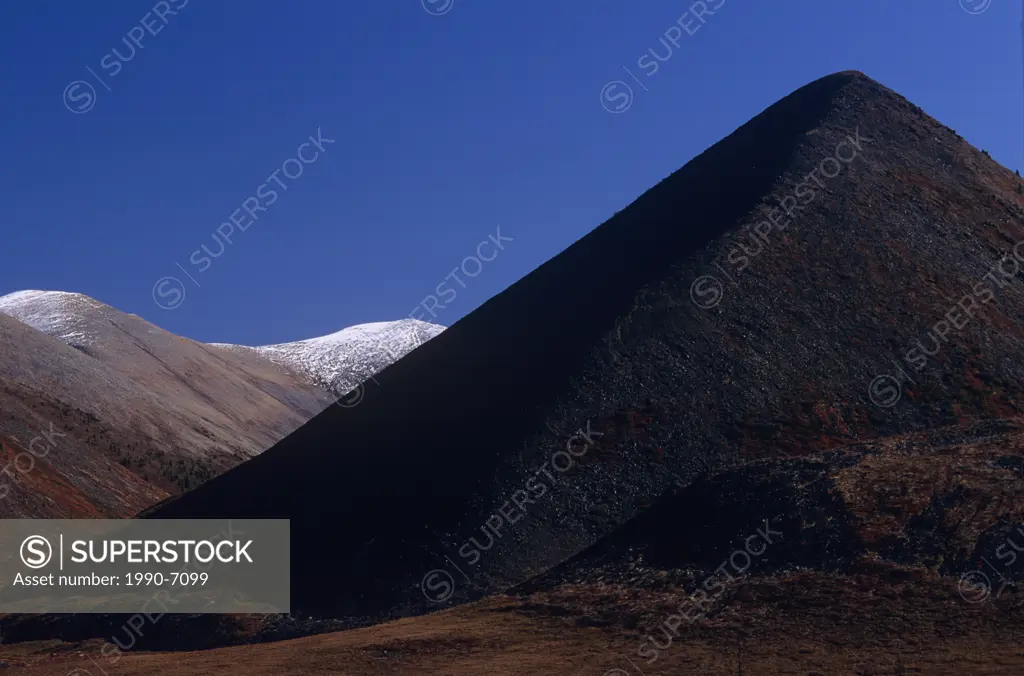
140 413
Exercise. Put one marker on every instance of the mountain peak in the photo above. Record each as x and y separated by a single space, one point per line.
18 298
341 360
374 330
336 362
61 314
746 306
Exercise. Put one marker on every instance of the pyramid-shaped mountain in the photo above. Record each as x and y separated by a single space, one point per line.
842 267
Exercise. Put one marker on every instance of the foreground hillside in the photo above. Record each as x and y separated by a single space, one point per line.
790 625
866 560
742 309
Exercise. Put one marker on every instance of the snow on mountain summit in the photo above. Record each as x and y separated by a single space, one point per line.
57 313
340 361
336 362
173 411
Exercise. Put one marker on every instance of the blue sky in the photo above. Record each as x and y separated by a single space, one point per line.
449 119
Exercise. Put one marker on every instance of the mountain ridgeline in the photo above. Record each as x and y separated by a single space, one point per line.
760 301
103 414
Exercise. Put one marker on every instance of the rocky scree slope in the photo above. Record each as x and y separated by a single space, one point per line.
608 333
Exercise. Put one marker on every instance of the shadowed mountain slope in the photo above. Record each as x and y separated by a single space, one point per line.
942 501
913 535
899 219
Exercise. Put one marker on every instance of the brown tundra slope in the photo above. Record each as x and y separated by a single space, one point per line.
136 413
59 462
765 300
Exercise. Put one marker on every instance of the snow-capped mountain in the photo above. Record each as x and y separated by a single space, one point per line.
55 313
340 361
164 411
172 411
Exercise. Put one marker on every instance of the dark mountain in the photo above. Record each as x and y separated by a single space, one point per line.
940 501
828 273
